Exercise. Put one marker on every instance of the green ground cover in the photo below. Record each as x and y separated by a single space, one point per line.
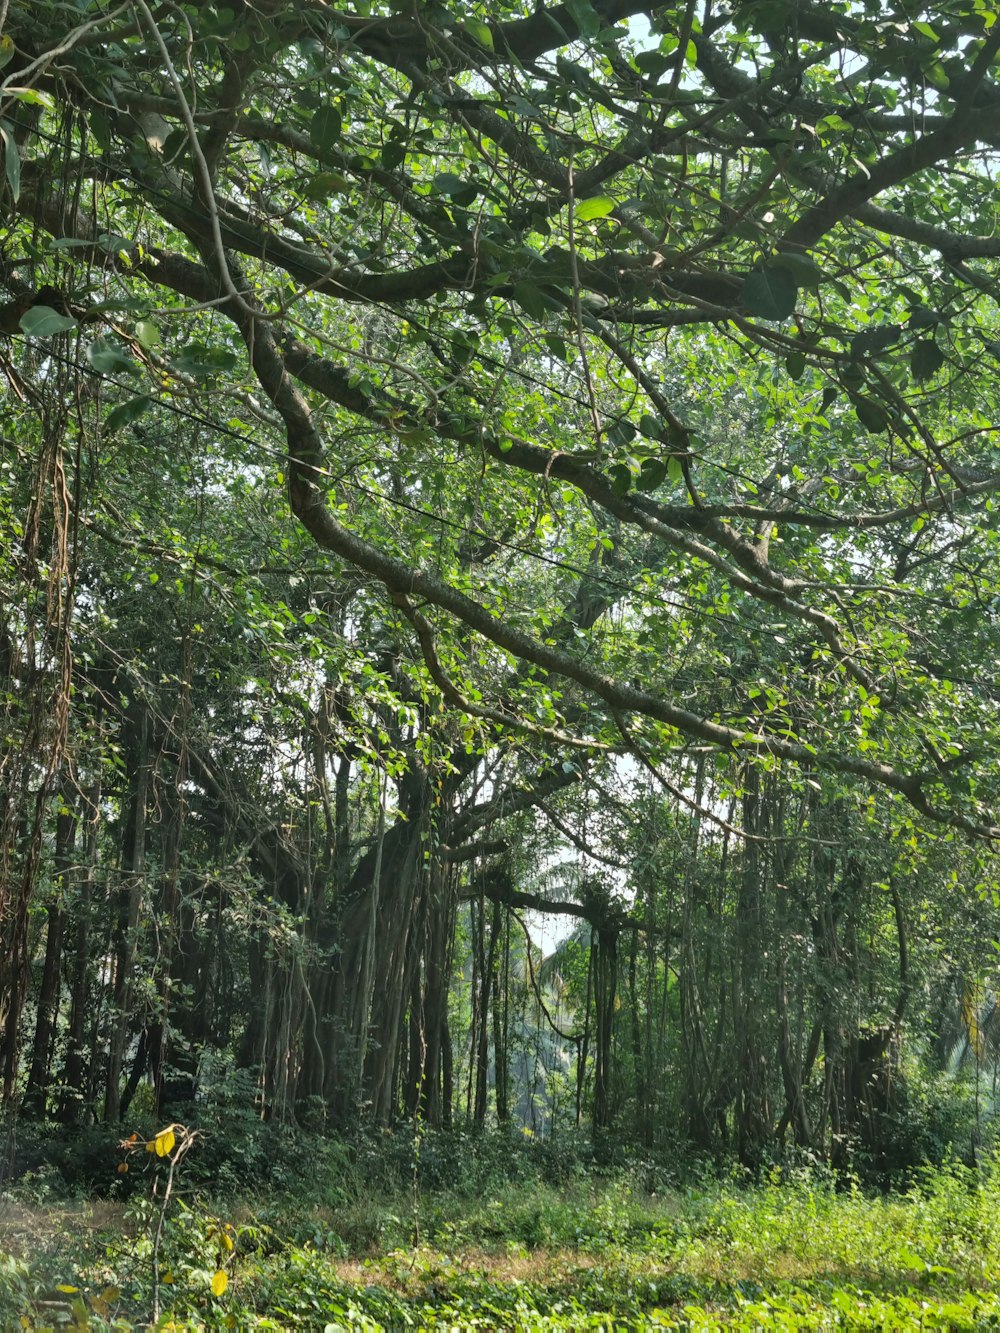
353 1244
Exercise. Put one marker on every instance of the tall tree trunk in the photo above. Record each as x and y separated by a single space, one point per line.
501 979
36 1089
438 925
753 1117
74 1070
133 866
605 995
487 969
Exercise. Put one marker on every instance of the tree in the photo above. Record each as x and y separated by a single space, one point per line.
630 366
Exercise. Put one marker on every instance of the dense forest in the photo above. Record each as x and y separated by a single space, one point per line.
499 575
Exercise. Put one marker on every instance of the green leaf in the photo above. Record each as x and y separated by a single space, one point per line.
872 341
621 479
652 474
446 182
126 413
325 127
597 207
41 321
530 298
393 154
462 191
11 161
110 359
572 72
803 268
654 63
325 183
770 293
6 49
198 360
32 97
585 16
480 32
115 244
871 414
922 318
795 364
926 359
148 334
621 433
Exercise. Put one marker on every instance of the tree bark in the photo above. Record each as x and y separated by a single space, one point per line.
133 865
36 1089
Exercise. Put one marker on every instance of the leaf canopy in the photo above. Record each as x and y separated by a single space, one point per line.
443 266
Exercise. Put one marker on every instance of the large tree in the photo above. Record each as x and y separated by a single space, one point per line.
631 366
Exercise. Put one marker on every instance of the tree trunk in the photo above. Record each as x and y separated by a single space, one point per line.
605 994
129 903
501 966
74 1070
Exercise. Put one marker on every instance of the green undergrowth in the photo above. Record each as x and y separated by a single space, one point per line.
360 1242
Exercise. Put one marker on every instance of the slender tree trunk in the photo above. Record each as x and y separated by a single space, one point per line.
584 1047
36 1090
76 1044
501 966
130 901
753 1122
487 970
436 928
605 994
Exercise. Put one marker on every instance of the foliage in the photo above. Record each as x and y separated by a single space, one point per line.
797 1250
460 465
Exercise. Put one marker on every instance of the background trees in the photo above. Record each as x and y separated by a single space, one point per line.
440 443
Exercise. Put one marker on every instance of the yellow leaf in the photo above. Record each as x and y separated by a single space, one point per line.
219 1283
227 1241
164 1142
167 1278
151 1146
67 1290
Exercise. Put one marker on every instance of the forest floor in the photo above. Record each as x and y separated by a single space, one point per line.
594 1251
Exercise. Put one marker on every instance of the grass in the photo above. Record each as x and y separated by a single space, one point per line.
594 1251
